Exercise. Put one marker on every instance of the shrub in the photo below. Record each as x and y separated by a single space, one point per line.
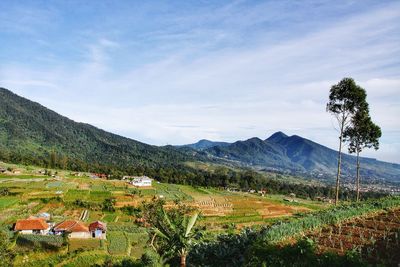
47 242
150 258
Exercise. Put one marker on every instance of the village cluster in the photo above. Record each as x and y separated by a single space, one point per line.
41 225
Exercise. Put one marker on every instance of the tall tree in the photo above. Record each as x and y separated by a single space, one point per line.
345 99
362 133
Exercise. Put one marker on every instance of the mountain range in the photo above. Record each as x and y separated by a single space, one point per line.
31 133
297 155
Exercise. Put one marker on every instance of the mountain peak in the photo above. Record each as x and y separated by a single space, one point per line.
276 137
204 144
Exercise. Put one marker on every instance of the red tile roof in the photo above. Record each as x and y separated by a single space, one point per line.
97 225
71 226
31 224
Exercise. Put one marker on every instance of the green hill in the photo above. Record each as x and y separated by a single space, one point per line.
29 132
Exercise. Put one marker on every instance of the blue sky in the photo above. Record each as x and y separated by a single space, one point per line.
174 72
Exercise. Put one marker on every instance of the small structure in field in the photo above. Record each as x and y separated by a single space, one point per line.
32 226
262 192
2 170
142 181
74 229
45 216
98 229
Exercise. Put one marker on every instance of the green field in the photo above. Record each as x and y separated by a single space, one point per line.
7 202
118 243
221 211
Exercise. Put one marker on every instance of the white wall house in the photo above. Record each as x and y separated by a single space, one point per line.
32 226
74 229
142 181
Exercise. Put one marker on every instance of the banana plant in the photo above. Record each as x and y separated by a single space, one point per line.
178 236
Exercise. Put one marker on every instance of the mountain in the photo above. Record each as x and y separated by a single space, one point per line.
30 132
204 144
299 155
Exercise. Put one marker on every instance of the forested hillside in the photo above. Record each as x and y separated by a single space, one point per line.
31 133
300 155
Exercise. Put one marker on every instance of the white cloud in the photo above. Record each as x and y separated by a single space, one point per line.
227 92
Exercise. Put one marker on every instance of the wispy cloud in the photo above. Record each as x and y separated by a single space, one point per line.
223 72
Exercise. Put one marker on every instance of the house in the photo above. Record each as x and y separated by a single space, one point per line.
142 181
32 226
74 229
2 170
98 230
98 175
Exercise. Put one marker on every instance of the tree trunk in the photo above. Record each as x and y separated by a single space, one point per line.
358 176
339 162
183 260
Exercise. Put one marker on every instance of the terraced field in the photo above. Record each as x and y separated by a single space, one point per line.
375 237
32 193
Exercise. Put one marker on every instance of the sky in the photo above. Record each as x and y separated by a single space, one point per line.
175 72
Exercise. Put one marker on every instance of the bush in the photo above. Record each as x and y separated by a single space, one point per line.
150 258
47 242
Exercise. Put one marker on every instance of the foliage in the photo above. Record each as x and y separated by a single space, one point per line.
345 99
108 204
303 253
6 253
226 250
30 133
125 227
150 258
174 227
47 242
117 242
362 133
236 250
87 204
4 191
132 211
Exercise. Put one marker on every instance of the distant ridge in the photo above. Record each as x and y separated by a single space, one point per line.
299 155
204 144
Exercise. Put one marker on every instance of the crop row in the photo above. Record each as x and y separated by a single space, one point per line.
334 215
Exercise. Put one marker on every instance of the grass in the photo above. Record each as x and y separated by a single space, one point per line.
74 194
110 217
23 176
137 242
85 244
117 243
99 196
171 192
6 202
56 184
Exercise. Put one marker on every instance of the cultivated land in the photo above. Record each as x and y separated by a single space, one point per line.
370 229
32 192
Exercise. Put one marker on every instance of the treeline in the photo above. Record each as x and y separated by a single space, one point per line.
221 177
